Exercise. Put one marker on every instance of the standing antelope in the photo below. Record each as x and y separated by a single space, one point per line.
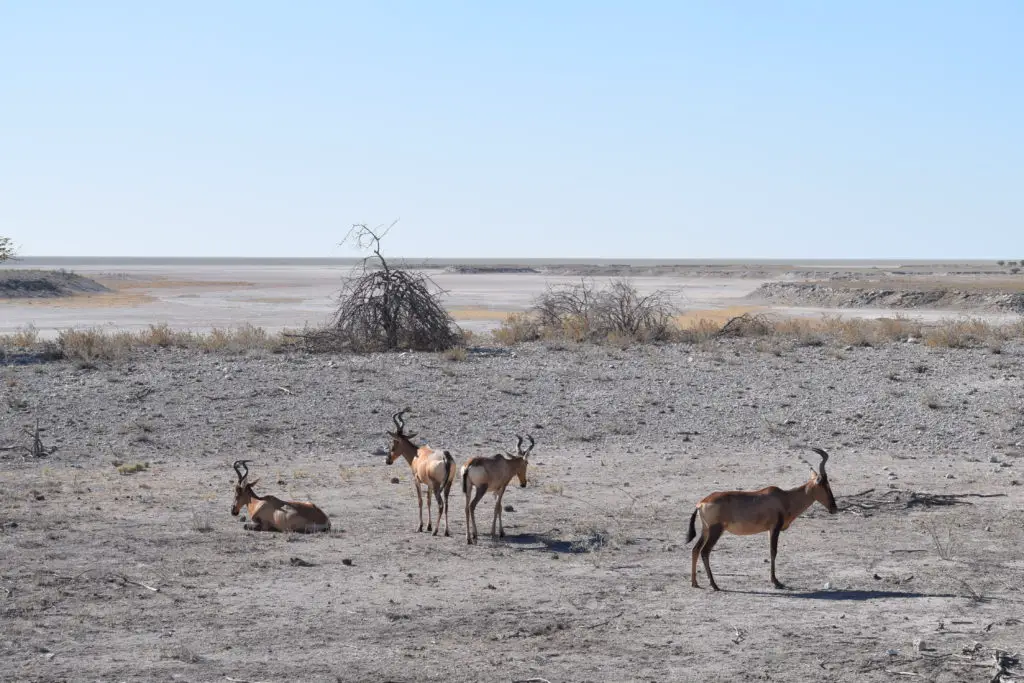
268 513
433 468
492 473
751 512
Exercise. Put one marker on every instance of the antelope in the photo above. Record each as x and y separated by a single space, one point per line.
433 468
492 473
752 512
269 513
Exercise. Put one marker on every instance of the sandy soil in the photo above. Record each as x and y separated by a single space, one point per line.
146 576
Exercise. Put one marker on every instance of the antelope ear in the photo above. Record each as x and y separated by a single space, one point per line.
410 435
253 483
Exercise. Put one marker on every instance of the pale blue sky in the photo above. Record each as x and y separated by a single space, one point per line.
517 129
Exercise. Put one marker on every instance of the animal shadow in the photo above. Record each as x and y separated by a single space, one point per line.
545 543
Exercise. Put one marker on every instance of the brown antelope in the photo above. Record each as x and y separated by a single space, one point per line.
268 513
492 473
752 512
433 468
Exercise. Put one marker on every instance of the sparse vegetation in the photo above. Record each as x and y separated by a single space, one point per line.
7 249
133 468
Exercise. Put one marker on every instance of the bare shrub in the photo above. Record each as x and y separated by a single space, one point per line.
747 325
386 309
7 249
618 312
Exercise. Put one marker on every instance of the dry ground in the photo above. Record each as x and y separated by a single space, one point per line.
592 583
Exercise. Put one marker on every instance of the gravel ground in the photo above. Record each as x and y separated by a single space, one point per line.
593 581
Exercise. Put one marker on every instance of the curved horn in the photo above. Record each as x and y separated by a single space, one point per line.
399 420
239 466
519 444
519 447
824 459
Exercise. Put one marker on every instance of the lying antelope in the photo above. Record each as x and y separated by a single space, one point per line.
433 468
268 513
492 473
751 512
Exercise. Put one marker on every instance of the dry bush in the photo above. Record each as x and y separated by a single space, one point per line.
386 309
22 338
163 336
245 337
899 328
94 344
959 334
517 328
699 331
802 331
852 332
618 312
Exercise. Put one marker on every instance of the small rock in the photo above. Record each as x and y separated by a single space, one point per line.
491 587
509 508
892 653
299 562
950 476
347 562
395 480
827 586
920 645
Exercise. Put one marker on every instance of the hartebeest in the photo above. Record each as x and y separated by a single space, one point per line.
268 513
752 512
492 473
433 468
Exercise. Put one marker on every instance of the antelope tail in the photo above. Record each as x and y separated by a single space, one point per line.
449 464
693 531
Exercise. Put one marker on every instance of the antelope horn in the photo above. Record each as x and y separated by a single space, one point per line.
530 448
239 466
399 422
519 444
824 459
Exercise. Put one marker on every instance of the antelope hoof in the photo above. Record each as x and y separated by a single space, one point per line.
447 533
714 586
435 532
501 534
429 527
420 529
694 584
777 584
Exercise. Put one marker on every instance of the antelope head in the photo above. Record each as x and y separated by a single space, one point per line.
818 484
243 489
521 460
399 437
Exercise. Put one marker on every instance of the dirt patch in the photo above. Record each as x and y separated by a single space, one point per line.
140 573
44 284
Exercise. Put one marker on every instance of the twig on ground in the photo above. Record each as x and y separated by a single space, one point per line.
606 621
531 680
135 583
285 390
